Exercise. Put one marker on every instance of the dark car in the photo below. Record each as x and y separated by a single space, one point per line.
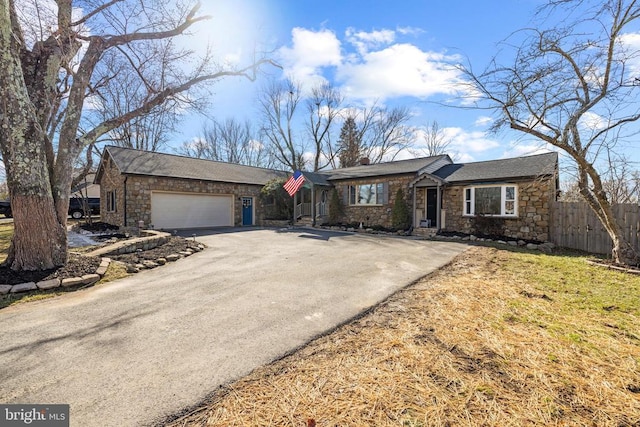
5 209
76 207
79 205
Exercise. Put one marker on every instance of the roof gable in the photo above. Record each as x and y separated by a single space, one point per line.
137 162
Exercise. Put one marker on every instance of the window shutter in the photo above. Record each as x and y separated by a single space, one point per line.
385 193
345 195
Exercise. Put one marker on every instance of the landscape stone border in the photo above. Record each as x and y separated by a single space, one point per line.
87 279
546 247
149 239
149 264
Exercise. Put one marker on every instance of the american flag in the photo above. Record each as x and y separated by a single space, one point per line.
294 183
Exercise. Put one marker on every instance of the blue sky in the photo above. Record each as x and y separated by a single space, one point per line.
398 53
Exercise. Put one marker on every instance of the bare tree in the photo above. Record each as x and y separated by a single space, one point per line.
384 132
278 102
229 141
435 141
46 73
572 86
120 90
323 107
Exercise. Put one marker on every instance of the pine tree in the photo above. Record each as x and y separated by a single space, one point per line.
400 215
349 144
336 208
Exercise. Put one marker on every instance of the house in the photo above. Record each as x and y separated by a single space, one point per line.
167 191
509 197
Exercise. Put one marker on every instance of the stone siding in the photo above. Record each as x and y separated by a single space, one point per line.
138 190
532 222
376 215
111 180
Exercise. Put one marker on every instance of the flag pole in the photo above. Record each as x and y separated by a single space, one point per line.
295 205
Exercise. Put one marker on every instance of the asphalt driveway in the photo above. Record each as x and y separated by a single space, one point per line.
131 352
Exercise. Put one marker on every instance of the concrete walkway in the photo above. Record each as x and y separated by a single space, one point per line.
134 351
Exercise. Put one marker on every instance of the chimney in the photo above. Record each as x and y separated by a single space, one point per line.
364 161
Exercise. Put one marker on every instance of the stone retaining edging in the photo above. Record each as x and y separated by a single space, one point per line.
87 279
154 238
149 264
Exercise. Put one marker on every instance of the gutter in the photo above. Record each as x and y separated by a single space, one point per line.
124 201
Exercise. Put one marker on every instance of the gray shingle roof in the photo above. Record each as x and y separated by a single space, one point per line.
316 178
518 167
379 169
136 162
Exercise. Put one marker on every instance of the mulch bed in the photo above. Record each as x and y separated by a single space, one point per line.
77 266
173 246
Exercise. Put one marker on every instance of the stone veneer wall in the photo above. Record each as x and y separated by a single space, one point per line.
139 188
377 214
532 223
112 180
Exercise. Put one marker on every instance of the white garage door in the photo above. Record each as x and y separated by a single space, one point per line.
179 210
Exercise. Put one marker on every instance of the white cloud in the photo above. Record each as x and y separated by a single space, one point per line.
516 149
631 42
376 67
464 141
464 146
311 51
399 70
483 121
410 31
592 121
364 41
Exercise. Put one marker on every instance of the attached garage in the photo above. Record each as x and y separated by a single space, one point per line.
190 210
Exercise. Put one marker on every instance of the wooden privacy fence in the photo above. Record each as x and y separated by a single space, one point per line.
574 225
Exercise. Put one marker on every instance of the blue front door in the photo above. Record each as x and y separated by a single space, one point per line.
247 211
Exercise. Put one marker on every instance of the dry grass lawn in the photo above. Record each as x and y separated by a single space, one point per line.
497 338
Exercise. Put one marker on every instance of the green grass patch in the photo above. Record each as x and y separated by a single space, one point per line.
6 233
574 301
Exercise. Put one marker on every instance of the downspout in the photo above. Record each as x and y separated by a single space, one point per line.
313 205
439 207
413 212
124 201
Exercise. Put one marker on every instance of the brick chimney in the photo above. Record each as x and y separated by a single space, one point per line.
364 161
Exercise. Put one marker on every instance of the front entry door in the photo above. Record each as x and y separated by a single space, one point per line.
432 205
247 211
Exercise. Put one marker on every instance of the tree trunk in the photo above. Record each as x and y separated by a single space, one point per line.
40 235
39 240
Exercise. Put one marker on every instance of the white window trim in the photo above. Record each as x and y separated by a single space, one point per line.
503 200
356 188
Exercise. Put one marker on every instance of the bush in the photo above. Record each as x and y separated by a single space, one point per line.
277 203
400 214
336 209
488 226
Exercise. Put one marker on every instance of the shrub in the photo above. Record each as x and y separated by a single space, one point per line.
336 208
400 214
276 201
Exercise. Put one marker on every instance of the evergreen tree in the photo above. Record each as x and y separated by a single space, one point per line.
349 144
336 208
400 215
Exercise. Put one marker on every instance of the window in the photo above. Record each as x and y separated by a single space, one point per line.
367 194
111 201
490 200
